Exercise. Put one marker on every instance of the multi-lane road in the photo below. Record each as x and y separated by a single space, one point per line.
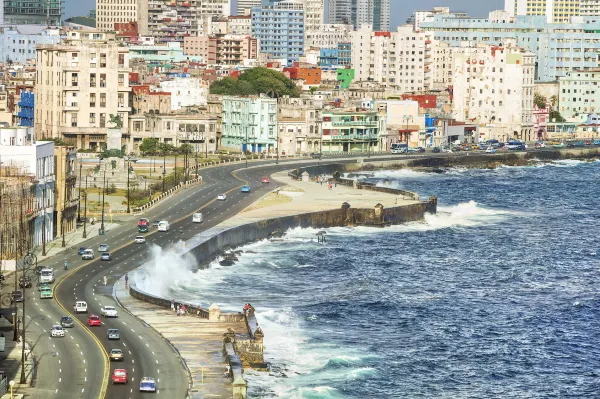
77 365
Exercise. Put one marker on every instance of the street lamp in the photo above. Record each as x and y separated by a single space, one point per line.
44 220
407 118
128 159
246 148
164 168
103 192
28 261
79 196
85 207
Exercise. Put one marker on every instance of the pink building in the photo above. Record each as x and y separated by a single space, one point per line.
540 121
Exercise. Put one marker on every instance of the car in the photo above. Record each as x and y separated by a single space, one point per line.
155 223
265 179
436 150
109 311
147 384
596 142
316 155
24 282
46 293
246 189
588 142
105 256
113 333
16 296
44 286
221 197
88 254
81 250
475 147
116 355
490 150
197 217
575 144
119 376
558 145
103 248
466 148
163 226
516 145
80 307
447 150
57 331
420 149
67 322
540 144
94 321
140 240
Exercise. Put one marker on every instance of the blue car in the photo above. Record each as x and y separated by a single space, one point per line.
81 250
105 256
246 189
596 142
147 384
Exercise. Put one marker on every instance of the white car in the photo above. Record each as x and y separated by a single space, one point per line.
140 239
109 311
147 384
103 248
88 254
57 331
490 150
221 197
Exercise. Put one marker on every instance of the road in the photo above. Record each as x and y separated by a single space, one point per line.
77 365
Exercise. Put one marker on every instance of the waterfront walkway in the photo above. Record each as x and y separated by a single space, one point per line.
197 341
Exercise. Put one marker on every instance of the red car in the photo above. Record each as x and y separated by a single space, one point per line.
94 321
119 376
266 179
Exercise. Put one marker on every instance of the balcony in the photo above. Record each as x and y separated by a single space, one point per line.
71 107
354 123
350 137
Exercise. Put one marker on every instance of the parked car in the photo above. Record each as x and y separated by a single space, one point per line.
558 145
246 189
316 155
490 150
265 179
67 322
436 150
94 321
103 248
540 144
420 149
575 144
106 256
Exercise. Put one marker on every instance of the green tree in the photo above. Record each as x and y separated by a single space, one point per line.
539 100
256 81
185 148
149 146
555 116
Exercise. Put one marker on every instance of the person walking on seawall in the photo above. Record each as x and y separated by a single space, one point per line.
126 280
173 304
177 310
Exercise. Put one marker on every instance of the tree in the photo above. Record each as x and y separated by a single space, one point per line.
149 146
539 100
256 81
555 116
185 149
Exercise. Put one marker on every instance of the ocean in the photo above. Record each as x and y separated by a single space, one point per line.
496 296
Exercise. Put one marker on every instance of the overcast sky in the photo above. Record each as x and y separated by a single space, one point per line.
400 9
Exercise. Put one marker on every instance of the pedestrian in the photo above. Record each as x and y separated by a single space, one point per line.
322 180
329 185
172 305
183 310
198 310
126 280
177 310
335 183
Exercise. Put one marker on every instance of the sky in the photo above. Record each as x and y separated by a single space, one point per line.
400 9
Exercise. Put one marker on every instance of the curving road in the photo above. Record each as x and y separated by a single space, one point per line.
77 365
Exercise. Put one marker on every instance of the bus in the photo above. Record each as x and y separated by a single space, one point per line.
399 148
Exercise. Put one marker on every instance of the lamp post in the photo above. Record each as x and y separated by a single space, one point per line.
407 118
103 192
44 220
164 168
246 148
128 159
79 195
175 169
85 207
28 261
277 149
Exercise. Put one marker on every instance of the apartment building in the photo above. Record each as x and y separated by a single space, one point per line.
31 12
328 36
185 92
314 15
420 16
249 124
360 12
239 25
351 130
280 30
244 7
67 199
222 49
19 47
558 47
589 8
555 11
109 12
579 94
493 85
400 60
299 120
80 83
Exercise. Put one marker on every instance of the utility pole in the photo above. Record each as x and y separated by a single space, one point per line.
103 192
85 208
16 318
128 159
79 196
277 148
246 148
164 167
44 220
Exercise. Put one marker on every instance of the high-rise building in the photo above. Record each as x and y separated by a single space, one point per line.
361 12
556 11
314 11
80 84
36 12
280 30
109 12
589 8
244 7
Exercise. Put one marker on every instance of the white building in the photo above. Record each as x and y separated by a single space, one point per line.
400 60
109 12
328 36
249 124
19 47
19 150
314 15
493 86
579 93
555 10
185 92
244 7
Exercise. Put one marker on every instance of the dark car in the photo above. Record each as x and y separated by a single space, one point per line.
316 155
24 282
16 296
574 144
155 223
81 250
436 150
420 149
67 322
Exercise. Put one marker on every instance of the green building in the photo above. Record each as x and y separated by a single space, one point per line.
345 77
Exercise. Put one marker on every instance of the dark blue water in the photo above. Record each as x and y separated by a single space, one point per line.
494 297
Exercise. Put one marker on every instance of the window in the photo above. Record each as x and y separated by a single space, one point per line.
137 126
102 100
121 60
103 60
74 79
102 80
102 120
121 100
121 79
92 117
92 80
73 119
92 100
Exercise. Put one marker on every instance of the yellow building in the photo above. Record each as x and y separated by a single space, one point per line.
556 11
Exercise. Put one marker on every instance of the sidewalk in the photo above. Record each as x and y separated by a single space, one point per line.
10 360
197 340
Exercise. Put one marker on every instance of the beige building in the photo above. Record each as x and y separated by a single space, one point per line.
80 84
109 12
67 198
222 49
299 123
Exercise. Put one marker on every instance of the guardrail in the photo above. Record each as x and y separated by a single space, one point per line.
165 303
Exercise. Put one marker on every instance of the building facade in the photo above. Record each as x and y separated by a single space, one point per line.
244 7
169 52
299 124
557 11
67 199
328 36
222 49
494 86
80 83
249 124
280 30
360 12
558 47
351 131
17 47
109 12
579 94
32 12
185 92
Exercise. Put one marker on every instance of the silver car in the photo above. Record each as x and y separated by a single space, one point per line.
113 333
103 248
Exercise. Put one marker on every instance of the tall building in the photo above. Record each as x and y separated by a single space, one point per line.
244 7
314 11
427 16
578 93
280 30
360 12
109 12
222 49
328 36
249 123
65 211
559 48
80 84
557 11
589 8
32 12
19 47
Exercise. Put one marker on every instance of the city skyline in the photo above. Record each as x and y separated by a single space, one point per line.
399 11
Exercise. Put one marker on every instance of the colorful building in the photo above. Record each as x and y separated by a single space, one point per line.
352 131
249 124
345 77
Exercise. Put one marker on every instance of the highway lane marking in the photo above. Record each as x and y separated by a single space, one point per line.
60 379
60 370
56 390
